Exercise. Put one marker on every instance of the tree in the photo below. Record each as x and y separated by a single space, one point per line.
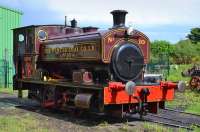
160 53
183 52
194 35
161 50
186 52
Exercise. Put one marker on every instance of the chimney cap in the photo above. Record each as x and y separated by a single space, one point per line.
73 20
118 11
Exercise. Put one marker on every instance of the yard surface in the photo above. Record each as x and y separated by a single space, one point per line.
21 119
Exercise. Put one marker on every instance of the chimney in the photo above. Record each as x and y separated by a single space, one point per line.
119 17
73 23
65 21
89 29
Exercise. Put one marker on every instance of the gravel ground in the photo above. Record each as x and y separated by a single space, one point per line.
62 121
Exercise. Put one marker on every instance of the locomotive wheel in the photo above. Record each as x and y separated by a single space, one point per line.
32 94
35 94
48 97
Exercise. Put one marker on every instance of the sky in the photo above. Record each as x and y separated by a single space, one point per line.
169 20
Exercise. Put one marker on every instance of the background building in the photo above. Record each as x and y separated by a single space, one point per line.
9 19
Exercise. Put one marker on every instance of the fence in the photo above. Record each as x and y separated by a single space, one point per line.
6 73
160 65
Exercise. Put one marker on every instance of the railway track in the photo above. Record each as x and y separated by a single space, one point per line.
174 110
167 117
174 118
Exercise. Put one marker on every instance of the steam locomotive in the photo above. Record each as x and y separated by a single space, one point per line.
85 68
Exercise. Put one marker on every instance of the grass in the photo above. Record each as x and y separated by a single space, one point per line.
103 124
196 129
193 105
175 74
150 127
188 101
125 128
11 91
24 123
6 90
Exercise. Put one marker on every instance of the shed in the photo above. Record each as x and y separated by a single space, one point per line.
9 19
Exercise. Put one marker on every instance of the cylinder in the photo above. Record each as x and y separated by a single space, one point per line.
83 100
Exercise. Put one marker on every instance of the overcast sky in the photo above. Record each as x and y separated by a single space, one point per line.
169 20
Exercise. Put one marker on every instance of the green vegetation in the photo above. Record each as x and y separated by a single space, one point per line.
11 91
6 90
160 49
163 54
186 53
24 123
104 123
193 105
183 52
175 73
181 56
189 101
150 127
194 35
196 129
124 128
